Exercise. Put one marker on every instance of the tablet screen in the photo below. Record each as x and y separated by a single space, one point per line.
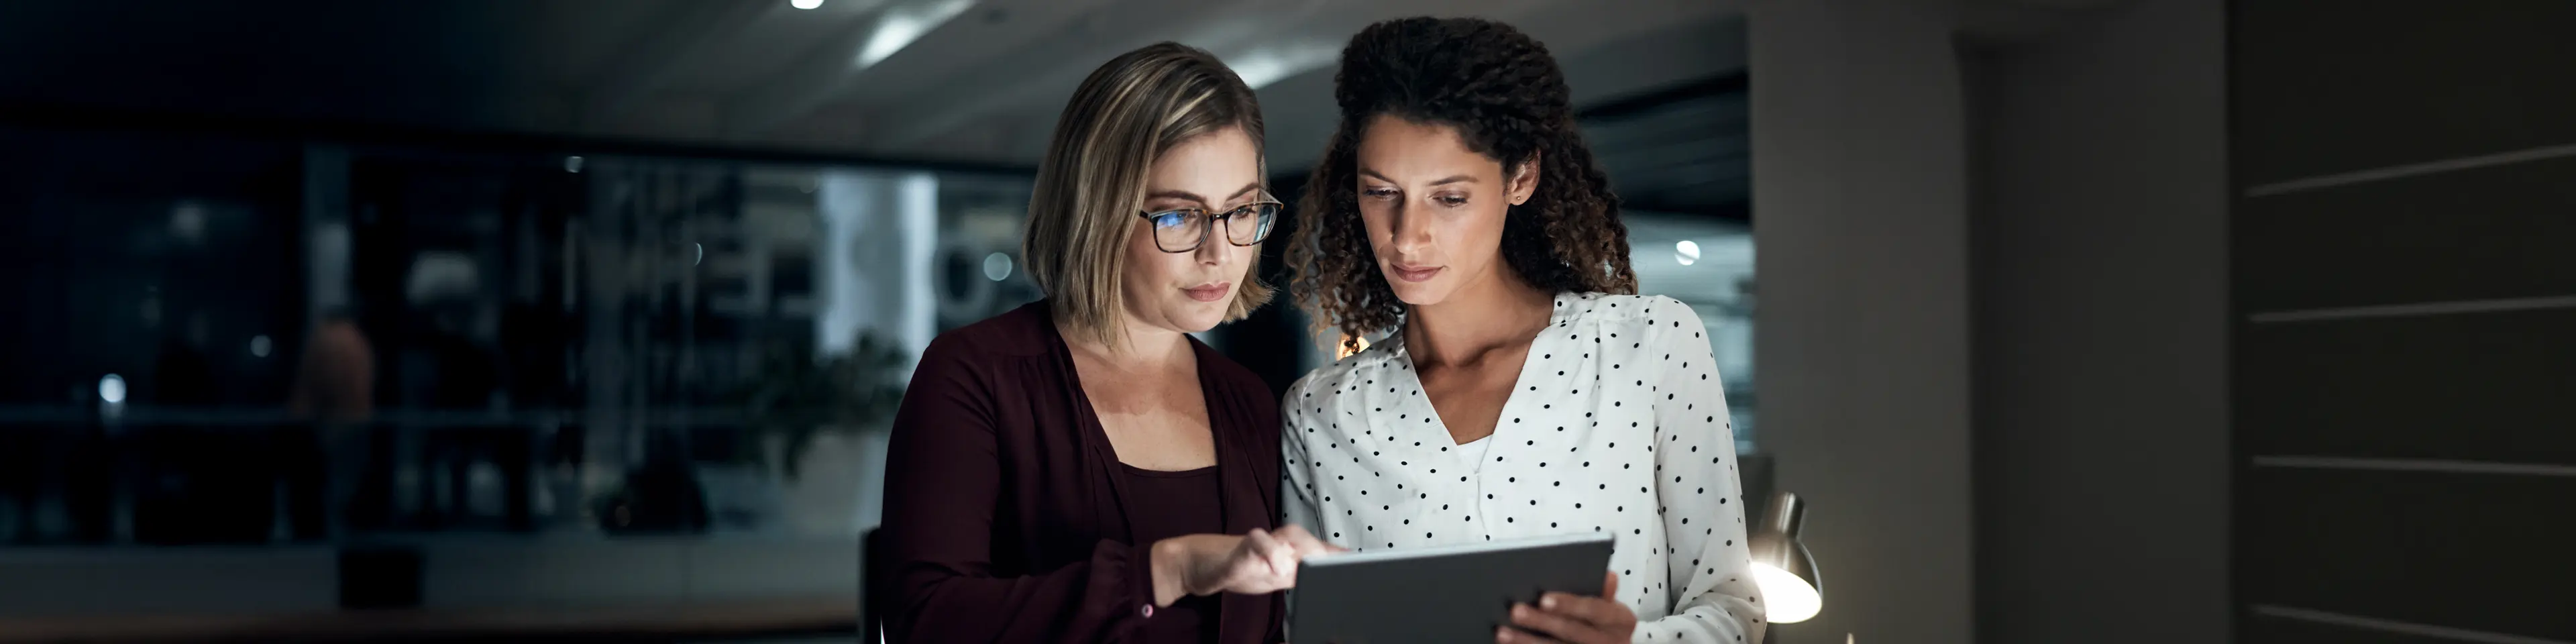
1439 594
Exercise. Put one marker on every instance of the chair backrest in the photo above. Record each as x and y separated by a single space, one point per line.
871 620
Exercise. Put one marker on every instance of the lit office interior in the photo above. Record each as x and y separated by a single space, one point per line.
630 382
2086 320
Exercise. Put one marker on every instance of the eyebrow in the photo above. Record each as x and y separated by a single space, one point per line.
1185 195
1442 182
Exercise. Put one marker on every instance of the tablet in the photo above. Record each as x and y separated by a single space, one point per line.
1440 594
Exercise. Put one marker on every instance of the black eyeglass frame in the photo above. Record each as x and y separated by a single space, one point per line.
1210 223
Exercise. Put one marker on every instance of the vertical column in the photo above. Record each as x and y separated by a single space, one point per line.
326 230
2100 291
1859 185
880 231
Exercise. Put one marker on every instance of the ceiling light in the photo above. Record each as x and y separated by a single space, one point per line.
259 346
1268 65
804 4
111 388
1686 252
572 164
905 23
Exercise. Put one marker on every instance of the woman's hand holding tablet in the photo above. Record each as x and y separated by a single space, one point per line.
1461 593
1572 619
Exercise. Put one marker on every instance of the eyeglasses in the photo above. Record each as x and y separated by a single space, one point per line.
1186 229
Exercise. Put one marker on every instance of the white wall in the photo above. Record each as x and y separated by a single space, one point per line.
1860 211
2100 255
879 229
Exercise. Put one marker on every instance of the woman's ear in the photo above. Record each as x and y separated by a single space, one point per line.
1524 182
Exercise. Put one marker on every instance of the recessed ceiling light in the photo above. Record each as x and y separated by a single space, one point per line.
1686 252
1261 67
997 267
903 23
804 4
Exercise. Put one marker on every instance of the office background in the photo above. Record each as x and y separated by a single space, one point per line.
2079 320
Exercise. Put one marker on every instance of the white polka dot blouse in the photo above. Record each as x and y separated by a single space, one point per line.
1617 424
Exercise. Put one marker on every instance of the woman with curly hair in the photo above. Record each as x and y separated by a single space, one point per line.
1521 388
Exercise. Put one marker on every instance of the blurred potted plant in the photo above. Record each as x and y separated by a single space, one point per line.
792 403
796 396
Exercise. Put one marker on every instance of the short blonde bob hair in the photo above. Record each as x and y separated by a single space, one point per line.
1091 186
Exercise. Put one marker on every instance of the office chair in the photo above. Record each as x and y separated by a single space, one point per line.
871 621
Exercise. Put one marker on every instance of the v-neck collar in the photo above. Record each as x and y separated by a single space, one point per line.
1398 354
1239 496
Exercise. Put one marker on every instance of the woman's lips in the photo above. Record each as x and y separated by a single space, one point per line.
1413 274
1209 292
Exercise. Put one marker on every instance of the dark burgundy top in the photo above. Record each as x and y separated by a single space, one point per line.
1008 517
1187 502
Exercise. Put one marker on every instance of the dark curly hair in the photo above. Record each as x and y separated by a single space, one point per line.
1504 94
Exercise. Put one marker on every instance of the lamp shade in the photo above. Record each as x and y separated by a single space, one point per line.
1782 568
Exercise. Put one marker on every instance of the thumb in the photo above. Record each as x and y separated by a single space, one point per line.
1609 585
1259 546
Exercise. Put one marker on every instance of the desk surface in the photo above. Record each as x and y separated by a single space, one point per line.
741 619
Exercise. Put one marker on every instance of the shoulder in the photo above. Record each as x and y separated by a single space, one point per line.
1022 332
978 356
1326 384
1233 379
1255 410
1641 310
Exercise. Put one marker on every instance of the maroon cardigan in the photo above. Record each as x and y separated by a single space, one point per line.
1003 521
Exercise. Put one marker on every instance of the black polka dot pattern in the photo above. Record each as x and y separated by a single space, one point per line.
1687 582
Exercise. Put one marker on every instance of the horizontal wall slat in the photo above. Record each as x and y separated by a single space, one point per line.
2326 88
2262 629
2482 553
2377 629
2490 233
2494 387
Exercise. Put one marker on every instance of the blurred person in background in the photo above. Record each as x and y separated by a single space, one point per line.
332 400
1080 469
1521 389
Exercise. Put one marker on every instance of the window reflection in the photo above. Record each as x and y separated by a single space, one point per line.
1706 263
245 341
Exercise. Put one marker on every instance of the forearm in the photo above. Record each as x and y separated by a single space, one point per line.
1714 620
1089 600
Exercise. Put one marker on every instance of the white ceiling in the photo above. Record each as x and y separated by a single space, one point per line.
985 84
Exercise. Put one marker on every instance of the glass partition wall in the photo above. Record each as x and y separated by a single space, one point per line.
229 340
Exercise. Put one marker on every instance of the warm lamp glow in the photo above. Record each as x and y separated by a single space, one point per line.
1790 599
1351 345
1783 570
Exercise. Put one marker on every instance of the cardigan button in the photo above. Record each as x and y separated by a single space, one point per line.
1145 610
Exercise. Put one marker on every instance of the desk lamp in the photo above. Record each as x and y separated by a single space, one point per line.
1782 568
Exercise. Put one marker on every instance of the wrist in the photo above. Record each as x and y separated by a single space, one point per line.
1168 562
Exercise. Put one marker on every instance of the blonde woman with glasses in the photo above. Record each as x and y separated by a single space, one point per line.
1080 469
